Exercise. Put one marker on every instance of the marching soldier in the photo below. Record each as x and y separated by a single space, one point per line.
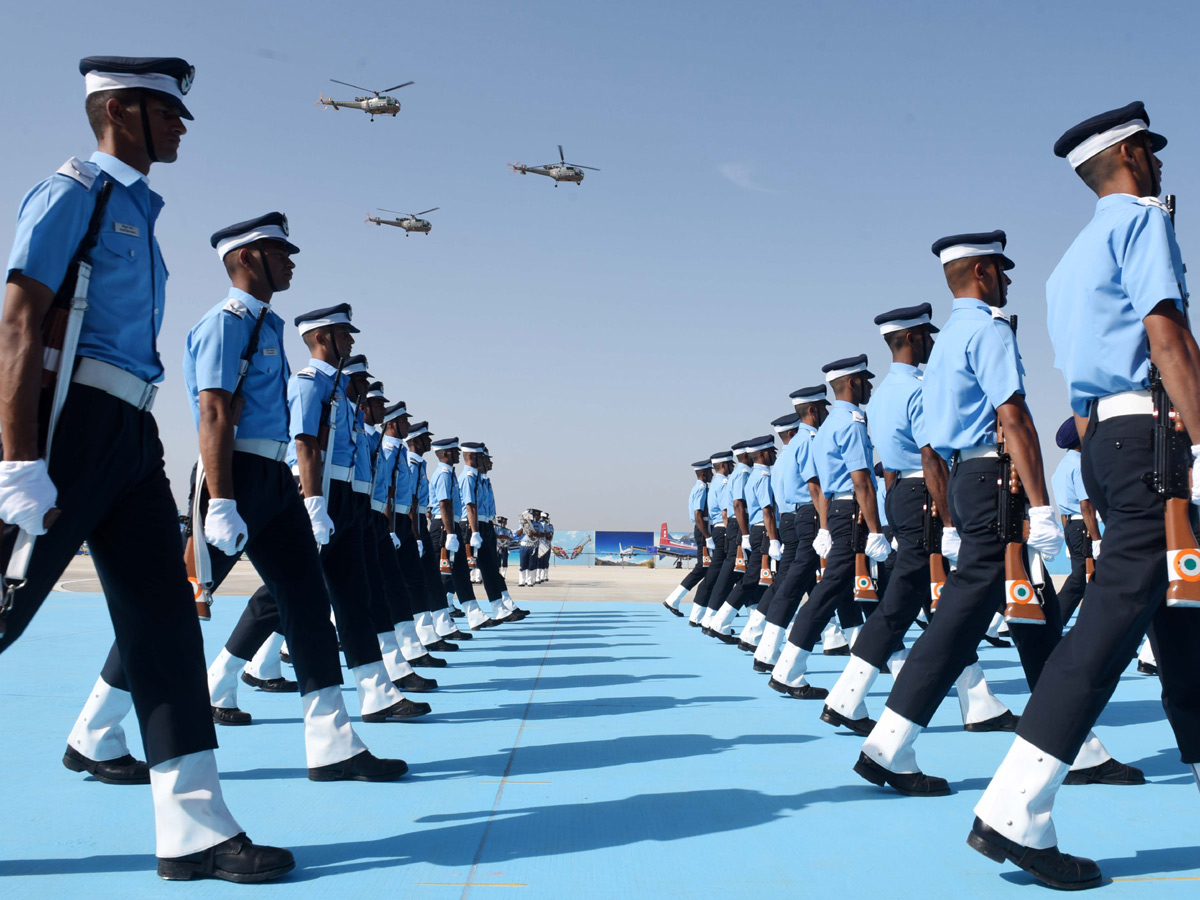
698 507
799 486
1117 315
106 477
472 494
718 493
973 385
735 526
1078 516
433 624
446 510
842 457
490 562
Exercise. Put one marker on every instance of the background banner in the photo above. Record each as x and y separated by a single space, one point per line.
625 548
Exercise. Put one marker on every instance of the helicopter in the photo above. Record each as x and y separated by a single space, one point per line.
373 106
559 171
410 222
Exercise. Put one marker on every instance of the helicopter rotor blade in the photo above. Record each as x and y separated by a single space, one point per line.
561 158
589 168
394 211
426 211
355 86
397 87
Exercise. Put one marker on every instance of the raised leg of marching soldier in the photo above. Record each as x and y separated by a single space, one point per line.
722 465
693 579
727 579
798 581
748 590
752 632
716 561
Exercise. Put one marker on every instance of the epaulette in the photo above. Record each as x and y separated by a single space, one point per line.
307 372
998 313
1153 201
77 170
856 416
237 307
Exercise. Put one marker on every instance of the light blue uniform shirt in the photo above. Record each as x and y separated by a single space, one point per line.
974 368
386 460
443 486
758 494
737 488
128 287
780 476
403 481
419 479
308 390
842 446
1067 484
486 507
213 355
365 441
806 464
718 493
468 488
896 417
698 500
1122 265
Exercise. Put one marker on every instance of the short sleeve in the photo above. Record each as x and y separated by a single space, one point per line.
467 491
439 488
1147 269
855 448
304 406
1075 485
218 344
993 359
808 468
53 220
697 501
916 416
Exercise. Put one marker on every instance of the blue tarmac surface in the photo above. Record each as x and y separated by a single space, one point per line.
591 751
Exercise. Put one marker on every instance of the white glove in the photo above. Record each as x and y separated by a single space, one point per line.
710 543
420 548
26 495
823 543
452 544
950 544
1096 548
395 540
745 543
1196 474
224 528
877 547
322 525
776 550
476 540
1045 534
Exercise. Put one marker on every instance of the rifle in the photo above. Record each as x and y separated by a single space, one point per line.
932 541
60 341
328 427
196 560
864 584
1021 602
766 577
739 562
1169 480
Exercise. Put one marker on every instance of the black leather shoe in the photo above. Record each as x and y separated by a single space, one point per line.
518 614
777 685
862 727
399 712
486 623
914 784
271 685
1050 866
1108 772
427 662
1006 721
725 638
1145 668
844 650
442 646
763 667
693 624
805 692
363 767
225 716
997 641
705 630
122 770
457 614
417 684
237 859
749 648
672 610
457 635
286 657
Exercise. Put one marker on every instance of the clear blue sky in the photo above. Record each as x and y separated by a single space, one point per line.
773 176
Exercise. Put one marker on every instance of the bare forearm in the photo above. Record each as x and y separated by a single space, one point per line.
1021 443
769 523
472 517
1088 511
864 493
739 510
937 482
701 523
820 503
308 460
21 356
216 443
446 511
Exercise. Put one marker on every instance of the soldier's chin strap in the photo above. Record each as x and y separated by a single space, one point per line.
262 258
146 127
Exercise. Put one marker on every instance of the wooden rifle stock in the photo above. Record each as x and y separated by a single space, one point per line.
444 563
933 545
1021 603
864 584
766 577
739 563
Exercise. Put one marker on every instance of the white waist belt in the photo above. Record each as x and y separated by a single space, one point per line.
1075 518
360 487
379 505
1127 403
912 473
987 450
843 495
116 382
274 450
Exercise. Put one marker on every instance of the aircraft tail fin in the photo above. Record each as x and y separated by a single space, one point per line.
663 536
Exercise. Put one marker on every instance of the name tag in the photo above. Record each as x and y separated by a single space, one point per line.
270 351
122 228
